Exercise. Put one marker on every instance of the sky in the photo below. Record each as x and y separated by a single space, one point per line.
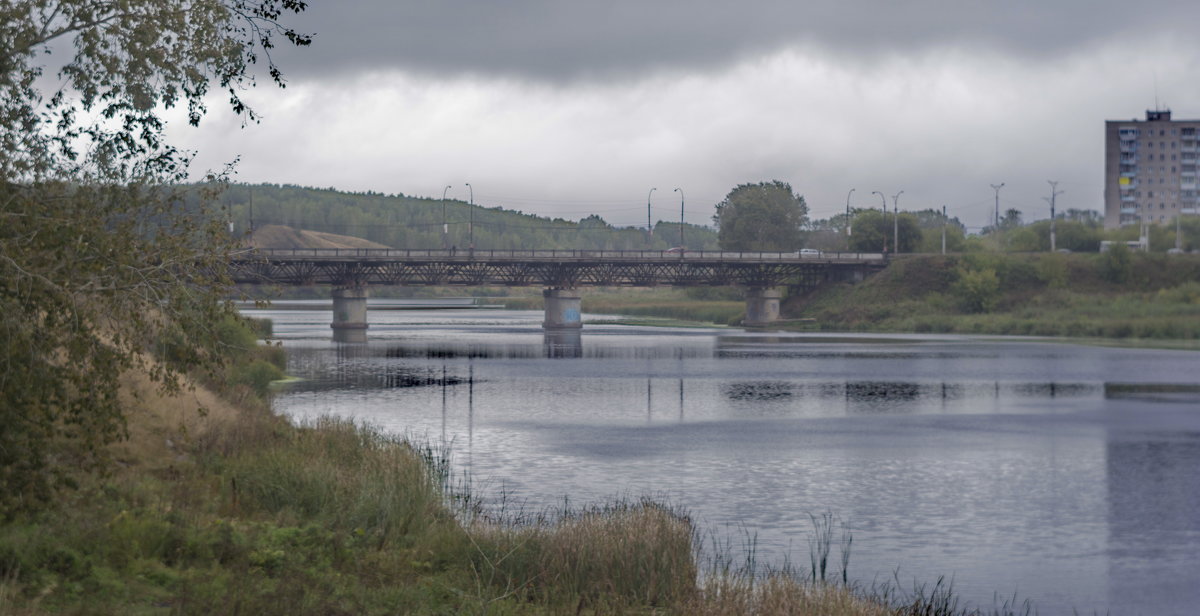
567 108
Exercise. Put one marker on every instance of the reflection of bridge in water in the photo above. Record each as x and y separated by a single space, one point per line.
561 273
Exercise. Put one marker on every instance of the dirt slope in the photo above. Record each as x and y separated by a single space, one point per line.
280 236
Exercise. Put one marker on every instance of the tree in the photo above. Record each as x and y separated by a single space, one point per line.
763 216
102 260
874 230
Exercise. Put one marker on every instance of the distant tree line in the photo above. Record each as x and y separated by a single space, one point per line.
401 221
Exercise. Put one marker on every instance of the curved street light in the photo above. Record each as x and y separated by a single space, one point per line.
445 226
471 225
896 221
680 191
649 229
848 231
884 200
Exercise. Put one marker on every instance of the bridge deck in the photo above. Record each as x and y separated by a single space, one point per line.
388 254
547 268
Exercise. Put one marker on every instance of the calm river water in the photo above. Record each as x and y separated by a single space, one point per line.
1011 465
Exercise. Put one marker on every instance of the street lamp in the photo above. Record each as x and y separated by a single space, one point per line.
896 221
848 231
471 225
649 229
445 226
680 191
884 200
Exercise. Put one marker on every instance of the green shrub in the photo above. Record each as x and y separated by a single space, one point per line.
1116 264
1186 293
1052 270
256 374
977 290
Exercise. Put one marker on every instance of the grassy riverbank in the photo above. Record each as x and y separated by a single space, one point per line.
1148 297
238 511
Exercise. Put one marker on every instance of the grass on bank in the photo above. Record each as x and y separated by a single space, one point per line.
234 510
1153 297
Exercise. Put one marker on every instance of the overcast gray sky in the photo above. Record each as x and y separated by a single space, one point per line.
569 108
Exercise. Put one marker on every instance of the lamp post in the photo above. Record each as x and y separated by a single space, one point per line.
884 200
649 229
997 187
848 230
680 191
445 226
471 224
896 221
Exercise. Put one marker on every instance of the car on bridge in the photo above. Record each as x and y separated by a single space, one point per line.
809 252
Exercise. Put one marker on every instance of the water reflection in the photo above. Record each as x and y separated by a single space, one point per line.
1153 518
1010 465
563 343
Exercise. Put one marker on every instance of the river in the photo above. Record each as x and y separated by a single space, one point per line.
1064 474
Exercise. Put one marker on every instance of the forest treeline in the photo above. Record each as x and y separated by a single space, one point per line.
402 221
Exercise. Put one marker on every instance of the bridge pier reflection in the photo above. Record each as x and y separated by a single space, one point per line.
350 314
563 343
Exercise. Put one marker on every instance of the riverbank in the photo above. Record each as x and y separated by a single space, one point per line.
237 510
1154 297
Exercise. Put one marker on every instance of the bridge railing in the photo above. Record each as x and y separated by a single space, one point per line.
497 255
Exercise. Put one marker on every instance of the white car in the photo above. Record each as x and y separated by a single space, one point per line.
810 252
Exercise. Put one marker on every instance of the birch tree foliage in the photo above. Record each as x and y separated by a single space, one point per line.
102 257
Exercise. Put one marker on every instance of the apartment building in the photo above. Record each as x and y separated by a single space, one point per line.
1150 169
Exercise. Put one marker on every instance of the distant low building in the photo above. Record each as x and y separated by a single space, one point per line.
1149 169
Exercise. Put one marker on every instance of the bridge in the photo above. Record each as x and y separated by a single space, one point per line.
561 273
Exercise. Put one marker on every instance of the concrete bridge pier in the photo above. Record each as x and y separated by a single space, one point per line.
762 306
350 314
562 309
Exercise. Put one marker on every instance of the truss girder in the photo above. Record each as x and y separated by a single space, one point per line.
534 272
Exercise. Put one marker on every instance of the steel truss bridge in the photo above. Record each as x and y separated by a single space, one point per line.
552 269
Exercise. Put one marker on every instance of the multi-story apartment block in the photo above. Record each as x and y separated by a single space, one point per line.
1150 169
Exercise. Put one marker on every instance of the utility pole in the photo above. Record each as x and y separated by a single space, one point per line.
1054 192
943 229
1178 237
895 221
997 187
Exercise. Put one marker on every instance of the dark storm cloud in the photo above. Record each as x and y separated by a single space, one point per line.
565 40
